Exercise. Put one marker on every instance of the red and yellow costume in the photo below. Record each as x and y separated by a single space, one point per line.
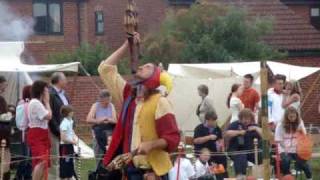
141 120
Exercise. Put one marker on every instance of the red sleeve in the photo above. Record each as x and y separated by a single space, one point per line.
167 129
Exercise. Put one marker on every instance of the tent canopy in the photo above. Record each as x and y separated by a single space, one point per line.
10 61
16 73
219 70
16 67
219 77
17 77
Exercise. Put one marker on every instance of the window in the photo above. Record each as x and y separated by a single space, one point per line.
315 12
181 2
315 16
48 16
99 23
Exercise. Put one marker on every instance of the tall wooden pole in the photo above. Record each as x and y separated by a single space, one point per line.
264 117
3 147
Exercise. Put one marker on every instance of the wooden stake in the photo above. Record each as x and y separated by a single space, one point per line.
3 148
255 141
264 117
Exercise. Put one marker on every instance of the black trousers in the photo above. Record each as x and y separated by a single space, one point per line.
66 161
137 174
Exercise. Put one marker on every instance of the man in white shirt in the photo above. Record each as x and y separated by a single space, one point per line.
275 98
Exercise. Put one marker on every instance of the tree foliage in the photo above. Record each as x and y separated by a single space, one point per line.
89 56
208 33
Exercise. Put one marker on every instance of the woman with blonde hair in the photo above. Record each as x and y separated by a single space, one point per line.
292 95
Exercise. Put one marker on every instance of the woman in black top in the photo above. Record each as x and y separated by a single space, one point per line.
242 134
209 135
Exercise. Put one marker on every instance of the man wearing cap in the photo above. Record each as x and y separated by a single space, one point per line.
146 122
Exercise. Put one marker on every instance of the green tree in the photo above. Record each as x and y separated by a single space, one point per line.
208 33
89 56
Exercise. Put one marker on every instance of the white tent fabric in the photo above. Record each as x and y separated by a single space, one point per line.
12 67
219 77
16 73
217 70
17 77
185 99
85 151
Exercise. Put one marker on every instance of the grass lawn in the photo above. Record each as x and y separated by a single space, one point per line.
315 164
86 165
89 164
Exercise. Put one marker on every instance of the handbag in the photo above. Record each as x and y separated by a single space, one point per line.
304 146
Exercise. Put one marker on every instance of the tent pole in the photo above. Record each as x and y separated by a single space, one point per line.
18 87
264 119
75 77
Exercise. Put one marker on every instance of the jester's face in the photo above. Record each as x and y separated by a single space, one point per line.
145 71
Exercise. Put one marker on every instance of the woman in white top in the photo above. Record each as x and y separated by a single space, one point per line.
234 103
292 95
286 136
39 113
206 104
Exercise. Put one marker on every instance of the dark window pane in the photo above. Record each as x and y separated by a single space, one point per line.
99 17
99 22
54 18
315 12
100 28
40 16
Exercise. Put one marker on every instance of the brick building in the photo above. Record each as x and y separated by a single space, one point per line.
295 30
64 24
309 9
294 33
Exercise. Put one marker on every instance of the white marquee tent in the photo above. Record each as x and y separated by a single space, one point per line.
17 76
16 73
219 77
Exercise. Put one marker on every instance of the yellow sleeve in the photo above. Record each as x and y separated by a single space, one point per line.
113 82
164 107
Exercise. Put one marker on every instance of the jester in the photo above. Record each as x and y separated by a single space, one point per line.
146 131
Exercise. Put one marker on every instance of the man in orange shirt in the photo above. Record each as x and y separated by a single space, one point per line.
250 97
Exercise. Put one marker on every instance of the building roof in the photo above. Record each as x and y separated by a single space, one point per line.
300 2
181 2
291 31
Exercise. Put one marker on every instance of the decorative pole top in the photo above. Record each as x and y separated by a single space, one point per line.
131 26
131 18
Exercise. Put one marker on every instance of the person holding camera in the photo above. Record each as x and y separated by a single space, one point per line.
242 134
103 118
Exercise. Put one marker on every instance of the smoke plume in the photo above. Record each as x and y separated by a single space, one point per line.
12 27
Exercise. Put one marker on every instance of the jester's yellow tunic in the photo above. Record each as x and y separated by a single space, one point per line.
140 121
